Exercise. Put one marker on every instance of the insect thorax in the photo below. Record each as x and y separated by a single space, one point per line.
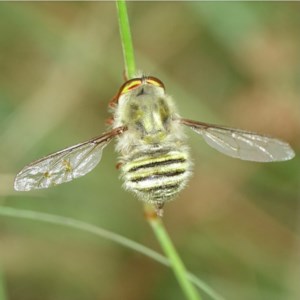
155 162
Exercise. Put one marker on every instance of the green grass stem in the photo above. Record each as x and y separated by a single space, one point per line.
176 263
98 231
126 39
155 223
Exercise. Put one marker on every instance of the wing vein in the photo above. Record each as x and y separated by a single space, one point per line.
57 168
241 144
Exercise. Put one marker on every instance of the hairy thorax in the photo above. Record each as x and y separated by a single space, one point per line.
155 162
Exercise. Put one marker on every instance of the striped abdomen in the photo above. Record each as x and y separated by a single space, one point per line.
156 176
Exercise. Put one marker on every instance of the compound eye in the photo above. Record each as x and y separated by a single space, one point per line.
155 81
130 85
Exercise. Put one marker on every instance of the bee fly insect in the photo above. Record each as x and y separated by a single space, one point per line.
155 163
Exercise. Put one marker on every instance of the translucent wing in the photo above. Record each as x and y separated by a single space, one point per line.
65 165
242 144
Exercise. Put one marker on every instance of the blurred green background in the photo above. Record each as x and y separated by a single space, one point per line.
236 225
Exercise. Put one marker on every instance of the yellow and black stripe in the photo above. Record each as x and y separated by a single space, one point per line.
158 175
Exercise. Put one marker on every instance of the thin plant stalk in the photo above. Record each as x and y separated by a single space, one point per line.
176 263
126 39
100 232
154 221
